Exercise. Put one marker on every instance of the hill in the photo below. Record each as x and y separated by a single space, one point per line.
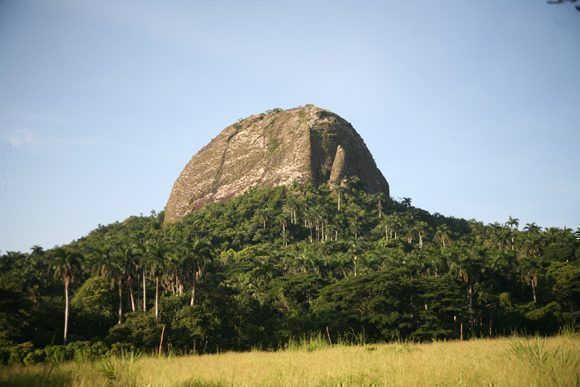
279 263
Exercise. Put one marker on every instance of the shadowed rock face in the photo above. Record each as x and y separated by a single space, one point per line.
304 144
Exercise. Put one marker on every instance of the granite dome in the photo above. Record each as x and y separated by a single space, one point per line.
304 144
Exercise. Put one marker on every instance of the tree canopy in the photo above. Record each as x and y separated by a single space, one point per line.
276 264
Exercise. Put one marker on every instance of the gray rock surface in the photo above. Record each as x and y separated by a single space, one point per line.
304 144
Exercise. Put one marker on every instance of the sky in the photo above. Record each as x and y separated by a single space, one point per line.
470 108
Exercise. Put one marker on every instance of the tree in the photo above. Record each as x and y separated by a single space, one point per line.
513 224
200 252
421 228
529 270
113 266
403 274
129 260
65 263
93 303
155 252
442 235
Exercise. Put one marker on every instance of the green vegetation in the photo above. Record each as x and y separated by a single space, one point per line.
277 265
273 144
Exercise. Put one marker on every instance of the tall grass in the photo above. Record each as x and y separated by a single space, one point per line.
323 340
543 361
313 361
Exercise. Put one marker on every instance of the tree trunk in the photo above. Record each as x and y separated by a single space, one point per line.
161 340
144 293
156 297
470 291
120 290
533 284
192 301
66 283
130 289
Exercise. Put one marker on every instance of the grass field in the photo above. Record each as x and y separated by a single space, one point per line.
511 361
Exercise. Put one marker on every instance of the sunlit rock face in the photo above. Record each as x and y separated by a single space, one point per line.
279 147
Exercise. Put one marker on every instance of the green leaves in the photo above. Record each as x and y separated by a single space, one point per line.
278 264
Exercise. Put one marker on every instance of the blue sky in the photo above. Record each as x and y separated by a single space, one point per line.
469 108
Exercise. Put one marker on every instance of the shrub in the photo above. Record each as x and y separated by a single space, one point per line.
140 330
122 349
35 357
86 351
18 352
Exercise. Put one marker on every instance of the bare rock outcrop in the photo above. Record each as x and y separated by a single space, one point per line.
304 144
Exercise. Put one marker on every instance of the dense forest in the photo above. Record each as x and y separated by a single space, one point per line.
279 264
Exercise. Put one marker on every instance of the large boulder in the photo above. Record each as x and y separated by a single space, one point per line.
279 147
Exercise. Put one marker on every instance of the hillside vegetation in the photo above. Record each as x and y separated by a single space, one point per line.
490 362
279 264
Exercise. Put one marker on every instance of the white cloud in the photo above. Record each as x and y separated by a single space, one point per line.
20 129
21 137
84 141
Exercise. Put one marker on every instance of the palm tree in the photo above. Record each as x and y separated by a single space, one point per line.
130 259
532 239
466 263
389 225
406 202
201 251
421 229
112 268
442 235
156 262
529 271
65 263
115 273
532 228
513 224
281 219
118 262
380 198
143 263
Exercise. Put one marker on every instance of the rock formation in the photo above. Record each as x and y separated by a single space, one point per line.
304 144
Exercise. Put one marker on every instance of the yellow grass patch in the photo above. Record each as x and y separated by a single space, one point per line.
489 362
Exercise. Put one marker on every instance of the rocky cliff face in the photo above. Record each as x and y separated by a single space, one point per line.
305 144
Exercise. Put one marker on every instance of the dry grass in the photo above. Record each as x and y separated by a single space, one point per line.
497 362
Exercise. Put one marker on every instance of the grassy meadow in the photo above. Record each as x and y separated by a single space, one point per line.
514 361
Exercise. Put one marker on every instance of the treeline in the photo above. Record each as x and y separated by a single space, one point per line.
278 264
